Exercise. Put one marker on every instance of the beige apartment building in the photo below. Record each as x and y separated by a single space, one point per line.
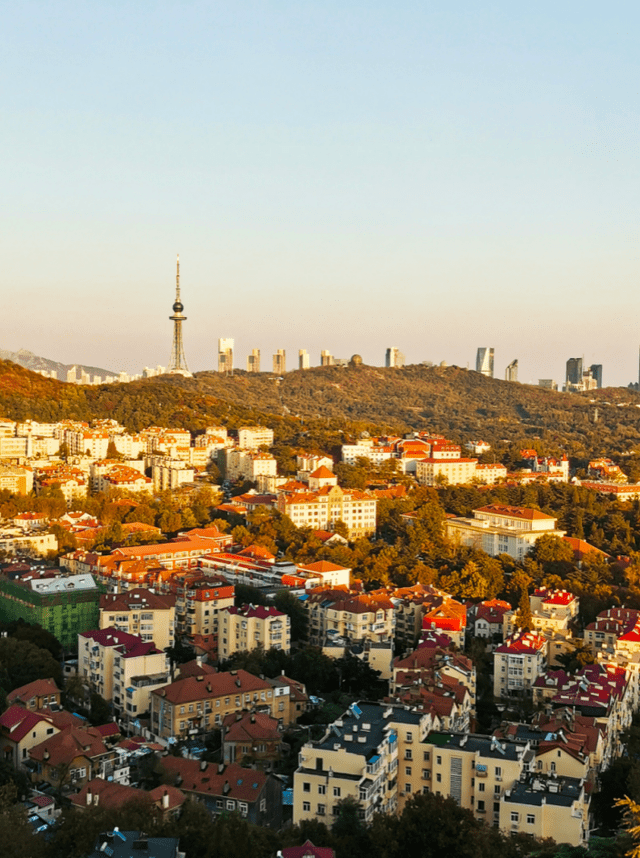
140 612
321 509
248 627
359 756
499 529
199 703
448 472
553 613
351 615
122 668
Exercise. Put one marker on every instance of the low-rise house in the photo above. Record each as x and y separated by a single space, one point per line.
164 801
291 699
36 695
558 808
553 614
602 634
123 844
307 850
20 730
251 739
74 756
255 795
488 619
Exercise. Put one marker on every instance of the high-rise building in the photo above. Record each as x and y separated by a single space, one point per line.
326 358
596 373
72 375
253 361
178 362
484 361
280 362
394 357
574 371
225 354
511 372
303 359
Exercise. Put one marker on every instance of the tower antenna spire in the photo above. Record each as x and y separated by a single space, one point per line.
178 363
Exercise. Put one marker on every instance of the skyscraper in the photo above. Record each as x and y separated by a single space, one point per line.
511 372
280 362
574 371
484 361
326 358
253 361
178 363
303 359
596 373
394 357
225 354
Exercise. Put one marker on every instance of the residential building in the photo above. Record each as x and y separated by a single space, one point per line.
20 730
182 552
200 600
241 464
602 634
122 668
197 704
252 739
36 695
547 808
122 844
171 474
436 470
325 507
253 361
74 756
330 574
280 362
163 801
554 614
225 355
362 756
326 358
394 357
63 606
249 627
517 663
349 614
291 699
17 480
488 619
499 529
484 361
140 612
223 789
254 437
307 850
303 359
429 665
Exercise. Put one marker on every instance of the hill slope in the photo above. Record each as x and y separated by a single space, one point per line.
29 360
453 401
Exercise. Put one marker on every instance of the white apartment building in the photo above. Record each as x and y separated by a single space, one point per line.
253 437
321 509
517 663
249 464
498 529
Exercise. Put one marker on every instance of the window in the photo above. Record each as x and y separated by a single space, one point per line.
439 778
531 819
439 761
553 767
322 809
481 806
306 787
336 792
407 770
322 790
481 786
496 790
231 805
426 756
409 737
515 817
306 806
243 808
408 754
263 805
498 771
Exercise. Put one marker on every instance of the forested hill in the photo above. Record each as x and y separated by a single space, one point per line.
456 402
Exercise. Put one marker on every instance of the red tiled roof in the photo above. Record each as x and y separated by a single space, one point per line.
214 685
137 598
37 688
307 850
17 721
233 781
129 646
516 512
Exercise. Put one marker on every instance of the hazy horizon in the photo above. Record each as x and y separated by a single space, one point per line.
343 176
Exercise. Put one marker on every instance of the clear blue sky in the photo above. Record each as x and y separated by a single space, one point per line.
340 175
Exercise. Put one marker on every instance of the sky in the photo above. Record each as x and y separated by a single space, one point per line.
334 174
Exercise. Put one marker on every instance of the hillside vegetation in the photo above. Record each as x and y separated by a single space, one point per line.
456 402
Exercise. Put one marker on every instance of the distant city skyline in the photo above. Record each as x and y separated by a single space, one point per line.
340 176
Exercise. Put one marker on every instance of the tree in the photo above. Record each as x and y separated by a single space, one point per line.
523 618
290 605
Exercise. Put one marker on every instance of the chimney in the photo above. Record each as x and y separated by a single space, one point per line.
88 796
203 765
226 789
165 800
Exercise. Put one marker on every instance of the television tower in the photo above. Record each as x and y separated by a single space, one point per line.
178 363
